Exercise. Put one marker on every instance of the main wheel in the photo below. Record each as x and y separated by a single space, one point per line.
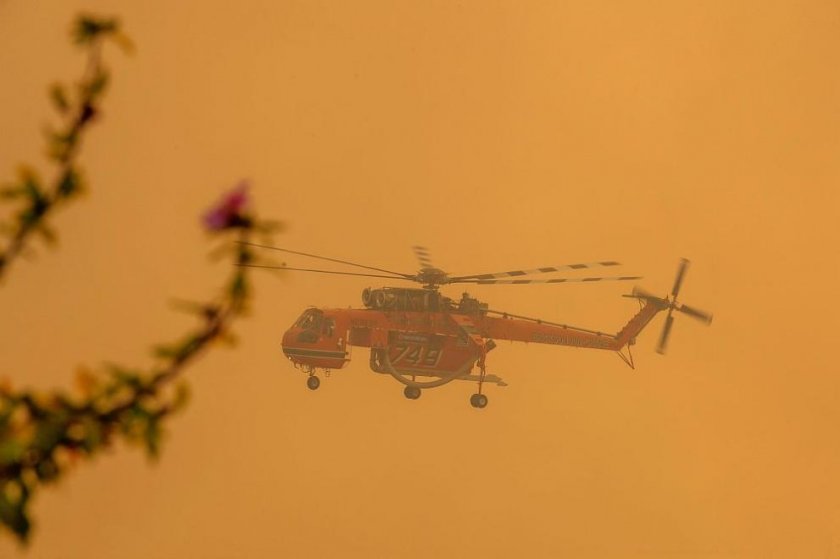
411 392
478 401
313 382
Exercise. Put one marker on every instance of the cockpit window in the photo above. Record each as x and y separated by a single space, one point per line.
311 320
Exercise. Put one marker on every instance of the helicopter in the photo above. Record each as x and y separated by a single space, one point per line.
424 339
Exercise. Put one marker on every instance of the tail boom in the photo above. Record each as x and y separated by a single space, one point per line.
529 330
519 330
649 310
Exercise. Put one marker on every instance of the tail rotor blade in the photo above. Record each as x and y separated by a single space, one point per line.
666 331
642 294
679 279
669 302
696 313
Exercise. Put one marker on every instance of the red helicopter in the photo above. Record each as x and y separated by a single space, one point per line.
424 339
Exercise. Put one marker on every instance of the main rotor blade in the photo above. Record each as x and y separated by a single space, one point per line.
544 270
680 275
422 254
528 281
696 313
406 276
322 271
666 331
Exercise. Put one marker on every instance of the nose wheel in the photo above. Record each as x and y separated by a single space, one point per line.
313 382
478 401
411 392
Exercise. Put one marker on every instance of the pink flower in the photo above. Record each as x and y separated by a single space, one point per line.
230 210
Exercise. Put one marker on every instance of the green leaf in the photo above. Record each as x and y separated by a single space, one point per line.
165 351
38 201
97 84
180 350
182 396
89 28
152 437
133 422
191 344
58 95
47 470
239 286
11 451
47 234
93 436
29 179
125 376
124 42
69 184
49 432
228 338
13 500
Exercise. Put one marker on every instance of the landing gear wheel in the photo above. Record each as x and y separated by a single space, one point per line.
478 401
411 392
313 382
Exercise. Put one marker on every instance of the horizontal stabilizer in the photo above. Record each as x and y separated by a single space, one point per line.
487 378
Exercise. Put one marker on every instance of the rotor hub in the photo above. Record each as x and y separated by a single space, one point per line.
432 277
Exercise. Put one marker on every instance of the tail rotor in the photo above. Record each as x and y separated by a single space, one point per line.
702 316
666 332
670 302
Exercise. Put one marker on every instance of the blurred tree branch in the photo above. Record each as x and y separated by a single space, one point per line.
78 110
42 435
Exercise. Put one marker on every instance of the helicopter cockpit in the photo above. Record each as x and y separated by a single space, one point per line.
315 341
312 324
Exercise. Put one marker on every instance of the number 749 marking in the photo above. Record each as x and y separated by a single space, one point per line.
417 355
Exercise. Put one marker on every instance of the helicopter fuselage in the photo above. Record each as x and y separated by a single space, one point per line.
420 333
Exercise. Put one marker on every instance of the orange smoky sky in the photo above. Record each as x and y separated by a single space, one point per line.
499 135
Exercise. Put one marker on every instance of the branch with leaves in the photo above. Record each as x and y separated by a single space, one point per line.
35 198
44 435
